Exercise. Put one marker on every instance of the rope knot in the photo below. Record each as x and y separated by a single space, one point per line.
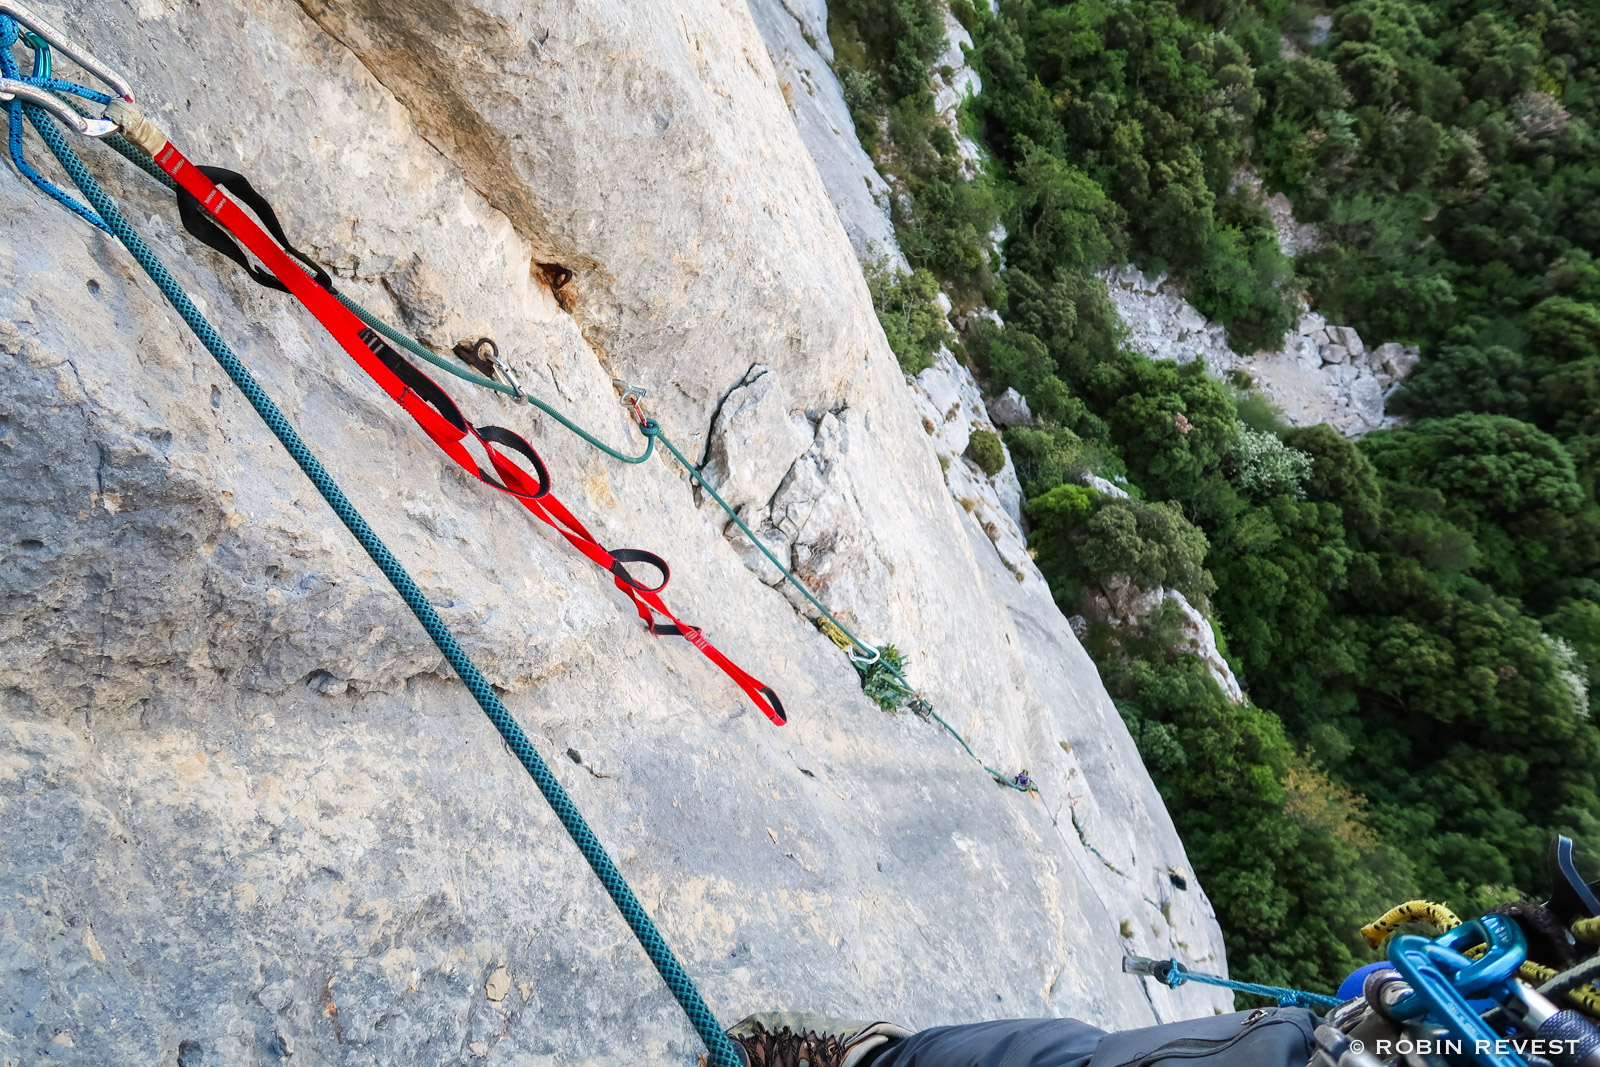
8 31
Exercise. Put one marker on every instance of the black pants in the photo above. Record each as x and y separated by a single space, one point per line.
1007 1043
1274 1037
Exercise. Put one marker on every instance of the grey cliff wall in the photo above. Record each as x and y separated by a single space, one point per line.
246 815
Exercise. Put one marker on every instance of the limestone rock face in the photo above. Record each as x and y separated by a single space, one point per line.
246 814
952 408
796 37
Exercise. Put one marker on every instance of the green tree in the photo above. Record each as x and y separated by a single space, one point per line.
908 309
1491 465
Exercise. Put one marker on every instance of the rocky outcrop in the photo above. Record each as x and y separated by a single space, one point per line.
1009 409
1126 605
248 816
1322 374
954 83
952 408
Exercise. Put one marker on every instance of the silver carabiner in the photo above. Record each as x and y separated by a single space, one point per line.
63 44
877 654
64 113
506 374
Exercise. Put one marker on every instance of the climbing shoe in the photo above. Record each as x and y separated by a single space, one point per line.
798 1039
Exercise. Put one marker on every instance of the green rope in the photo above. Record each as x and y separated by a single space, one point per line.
920 706
871 669
489 383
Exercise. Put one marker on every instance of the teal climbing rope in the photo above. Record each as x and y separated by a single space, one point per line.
721 1049
439 361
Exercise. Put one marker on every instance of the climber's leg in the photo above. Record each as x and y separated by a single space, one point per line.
1007 1043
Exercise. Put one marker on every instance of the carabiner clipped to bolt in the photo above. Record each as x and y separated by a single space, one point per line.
483 356
59 41
631 395
506 374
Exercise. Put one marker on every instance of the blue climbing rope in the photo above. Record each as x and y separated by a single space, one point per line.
722 1053
1284 996
41 78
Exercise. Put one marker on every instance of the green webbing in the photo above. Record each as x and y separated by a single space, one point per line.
722 1052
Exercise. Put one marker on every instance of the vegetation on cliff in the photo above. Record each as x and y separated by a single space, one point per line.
1416 616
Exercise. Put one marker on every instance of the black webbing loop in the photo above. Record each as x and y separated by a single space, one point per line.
198 222
501 436
429 392
620 556
419 383
777 705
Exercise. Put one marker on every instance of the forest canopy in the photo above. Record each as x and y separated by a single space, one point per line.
1416 615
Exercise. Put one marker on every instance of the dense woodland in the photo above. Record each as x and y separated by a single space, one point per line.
1415 616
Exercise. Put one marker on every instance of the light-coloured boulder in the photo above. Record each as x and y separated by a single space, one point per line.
1366 399
1010 409
1397 360
1335 353
1310 323
1101 485
1348 337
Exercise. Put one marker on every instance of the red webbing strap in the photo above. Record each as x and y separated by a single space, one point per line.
449 434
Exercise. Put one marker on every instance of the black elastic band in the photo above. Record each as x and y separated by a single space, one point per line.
777 705
199 223
619 556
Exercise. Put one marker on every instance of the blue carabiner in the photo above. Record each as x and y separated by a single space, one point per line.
1442 996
